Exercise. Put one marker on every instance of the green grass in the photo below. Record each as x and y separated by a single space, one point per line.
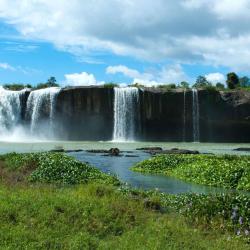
88 211
221 171
94 216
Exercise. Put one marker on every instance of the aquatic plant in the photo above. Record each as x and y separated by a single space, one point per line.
57 168
222 171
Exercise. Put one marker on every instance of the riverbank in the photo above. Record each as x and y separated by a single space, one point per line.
52 201
227 171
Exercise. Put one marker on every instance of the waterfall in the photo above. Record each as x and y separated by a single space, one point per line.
10 110
184 116
125 113
196 116
40 108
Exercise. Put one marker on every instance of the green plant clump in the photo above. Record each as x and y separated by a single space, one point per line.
57 168
222 171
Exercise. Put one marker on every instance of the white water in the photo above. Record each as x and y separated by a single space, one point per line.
125 112
10 111
41 102
196 115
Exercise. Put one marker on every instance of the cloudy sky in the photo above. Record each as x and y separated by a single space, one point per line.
147 41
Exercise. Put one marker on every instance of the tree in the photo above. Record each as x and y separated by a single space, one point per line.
202 81
244 81
52 81
220 85
184 85
232 80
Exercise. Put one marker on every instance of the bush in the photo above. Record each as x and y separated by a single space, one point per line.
110 85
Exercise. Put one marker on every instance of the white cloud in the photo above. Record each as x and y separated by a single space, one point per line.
186 31
215 78
131 73
81 79
168 74
6 66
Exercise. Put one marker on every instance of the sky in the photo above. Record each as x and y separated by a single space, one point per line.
125 41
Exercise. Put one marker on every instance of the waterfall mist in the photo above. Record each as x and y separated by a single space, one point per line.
38 114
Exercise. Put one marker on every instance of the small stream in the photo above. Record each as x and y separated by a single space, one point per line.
120 167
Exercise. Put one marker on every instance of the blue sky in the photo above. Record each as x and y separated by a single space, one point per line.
88 44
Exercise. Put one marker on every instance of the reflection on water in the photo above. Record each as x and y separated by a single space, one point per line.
119 166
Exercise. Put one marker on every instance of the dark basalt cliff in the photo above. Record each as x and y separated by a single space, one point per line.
87 113
223 116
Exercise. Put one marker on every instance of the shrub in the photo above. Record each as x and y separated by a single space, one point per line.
110 85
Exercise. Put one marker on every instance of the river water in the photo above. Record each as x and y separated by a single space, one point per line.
120 166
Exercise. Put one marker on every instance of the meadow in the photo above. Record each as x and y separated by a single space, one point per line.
52 201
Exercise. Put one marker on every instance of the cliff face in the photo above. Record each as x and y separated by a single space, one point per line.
85 113
223 116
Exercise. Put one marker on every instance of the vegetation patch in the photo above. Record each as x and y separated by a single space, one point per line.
54 168
96 216
222 171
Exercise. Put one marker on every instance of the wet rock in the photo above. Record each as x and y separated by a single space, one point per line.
98 151
131 156
242 149
73 150
114 151
150 149
57 150
174 151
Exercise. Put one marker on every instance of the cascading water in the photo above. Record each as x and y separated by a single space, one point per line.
40 109
196 116
184 116
125 113
10 110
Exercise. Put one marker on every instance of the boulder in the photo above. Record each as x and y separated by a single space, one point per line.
242 149
114 151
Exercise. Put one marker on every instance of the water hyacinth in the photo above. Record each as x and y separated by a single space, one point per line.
232 210
58 168
226 171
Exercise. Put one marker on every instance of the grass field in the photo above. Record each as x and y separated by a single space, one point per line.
40 208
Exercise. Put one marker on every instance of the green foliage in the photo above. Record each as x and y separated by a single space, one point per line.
201 82
137 85
167 86
45 85
232 80
95 217
230 211
110 85
57 168
51 81
184 85
244 82
16 86
223 171
220 86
